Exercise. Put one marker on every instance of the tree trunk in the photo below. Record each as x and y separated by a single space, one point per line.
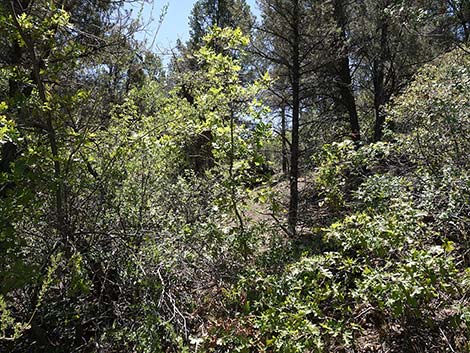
8 151
285 159
378 78
344 74
295 82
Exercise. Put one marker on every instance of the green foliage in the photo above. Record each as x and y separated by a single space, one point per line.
384 260
394 252
207 14
301 308
131 217
8 130
410 288
380 234
433 113
9 329
343 166
187 234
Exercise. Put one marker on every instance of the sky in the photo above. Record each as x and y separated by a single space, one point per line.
174 25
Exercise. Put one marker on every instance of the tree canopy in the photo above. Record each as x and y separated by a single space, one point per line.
293 183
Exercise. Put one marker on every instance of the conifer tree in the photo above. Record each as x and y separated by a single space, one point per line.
221 13
292 38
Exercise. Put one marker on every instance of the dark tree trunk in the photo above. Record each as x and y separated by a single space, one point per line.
295 82
200 154
199 151
344 74
9 151
379 85
285 158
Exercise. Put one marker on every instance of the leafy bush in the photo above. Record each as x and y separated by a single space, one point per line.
396 249
384 260
342 167
433 114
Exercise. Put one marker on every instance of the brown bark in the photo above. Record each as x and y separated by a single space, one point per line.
295 151
285 158
379 81
344 74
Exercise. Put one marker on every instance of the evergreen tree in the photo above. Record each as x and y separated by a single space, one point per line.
389 43
292 38
221 13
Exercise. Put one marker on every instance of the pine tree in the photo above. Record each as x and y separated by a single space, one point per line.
292 37
221 13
